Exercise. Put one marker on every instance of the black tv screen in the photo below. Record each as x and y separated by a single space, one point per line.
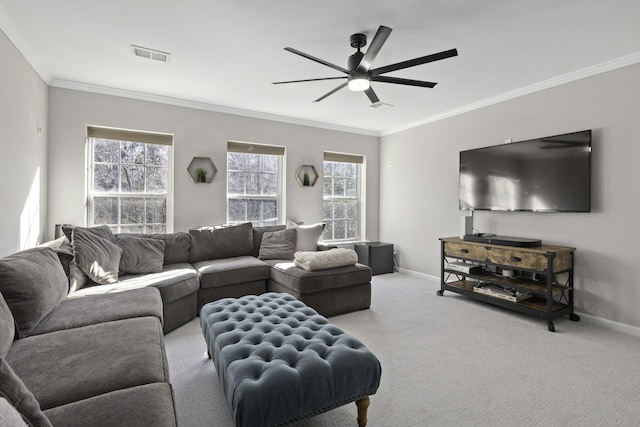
551 174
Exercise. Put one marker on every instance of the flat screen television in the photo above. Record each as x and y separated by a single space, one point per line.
551 174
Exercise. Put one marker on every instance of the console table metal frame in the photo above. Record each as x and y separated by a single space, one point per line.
550 299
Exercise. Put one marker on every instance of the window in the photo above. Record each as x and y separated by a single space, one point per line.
254 183
130 180
342 191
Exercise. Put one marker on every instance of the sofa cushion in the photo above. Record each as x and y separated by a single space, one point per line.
174 282
231 271
33 283
221 241
278 244
77 311
308 235
16 393
74 364
145 405
98 257
257 236
177 245
7 327
140 255
304 281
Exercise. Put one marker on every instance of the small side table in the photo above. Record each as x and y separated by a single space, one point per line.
377 255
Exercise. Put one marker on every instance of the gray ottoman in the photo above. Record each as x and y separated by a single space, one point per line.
279 361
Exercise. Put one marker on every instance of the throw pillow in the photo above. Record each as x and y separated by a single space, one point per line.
308 235
96 256
16 393
221 241
77 278
32 283
278 244
257 236
101 230
140 255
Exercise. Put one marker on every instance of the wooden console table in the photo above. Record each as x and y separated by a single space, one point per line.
536 280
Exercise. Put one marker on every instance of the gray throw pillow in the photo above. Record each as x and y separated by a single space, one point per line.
77 278
32 283
96 256
257 236
221 241
101 230
278 244
140 255
16 393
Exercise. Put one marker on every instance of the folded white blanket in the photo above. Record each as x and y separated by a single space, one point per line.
322 260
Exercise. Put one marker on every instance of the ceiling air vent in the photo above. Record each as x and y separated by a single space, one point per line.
144 52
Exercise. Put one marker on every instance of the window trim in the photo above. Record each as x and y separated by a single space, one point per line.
95 132
360 198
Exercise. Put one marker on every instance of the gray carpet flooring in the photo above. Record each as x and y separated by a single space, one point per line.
452 361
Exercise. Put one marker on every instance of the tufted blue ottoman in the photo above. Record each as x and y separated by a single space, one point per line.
279 361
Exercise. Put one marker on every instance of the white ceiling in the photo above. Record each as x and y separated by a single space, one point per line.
226 53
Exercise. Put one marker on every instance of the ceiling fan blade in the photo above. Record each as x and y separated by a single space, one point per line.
372 51
416 61
318 60
409 82
331 92
309 80
372 95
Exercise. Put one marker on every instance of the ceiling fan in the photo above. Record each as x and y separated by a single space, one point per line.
359 73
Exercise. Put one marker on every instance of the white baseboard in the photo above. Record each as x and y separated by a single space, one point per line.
610 324
601 321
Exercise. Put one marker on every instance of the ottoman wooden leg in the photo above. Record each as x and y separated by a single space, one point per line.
362 405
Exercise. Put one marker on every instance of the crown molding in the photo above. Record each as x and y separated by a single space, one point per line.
15 36
624 61
11 30
84 87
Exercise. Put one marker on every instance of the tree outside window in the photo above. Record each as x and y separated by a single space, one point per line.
253 187
341 200
129 185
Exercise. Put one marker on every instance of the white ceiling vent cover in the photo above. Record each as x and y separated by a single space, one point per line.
145 52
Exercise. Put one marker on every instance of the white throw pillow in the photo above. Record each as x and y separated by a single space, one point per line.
307 236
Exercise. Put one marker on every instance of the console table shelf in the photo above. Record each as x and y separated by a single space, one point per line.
545 276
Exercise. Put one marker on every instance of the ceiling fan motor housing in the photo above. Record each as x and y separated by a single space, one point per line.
358 40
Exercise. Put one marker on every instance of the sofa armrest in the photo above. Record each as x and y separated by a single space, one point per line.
324 247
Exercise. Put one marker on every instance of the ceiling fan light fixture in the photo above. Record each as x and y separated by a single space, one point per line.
358 84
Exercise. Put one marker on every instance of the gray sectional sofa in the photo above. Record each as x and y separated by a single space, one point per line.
210 263
82 320
98 360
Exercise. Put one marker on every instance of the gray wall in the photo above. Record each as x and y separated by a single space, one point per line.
23 151
419 186
196 133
